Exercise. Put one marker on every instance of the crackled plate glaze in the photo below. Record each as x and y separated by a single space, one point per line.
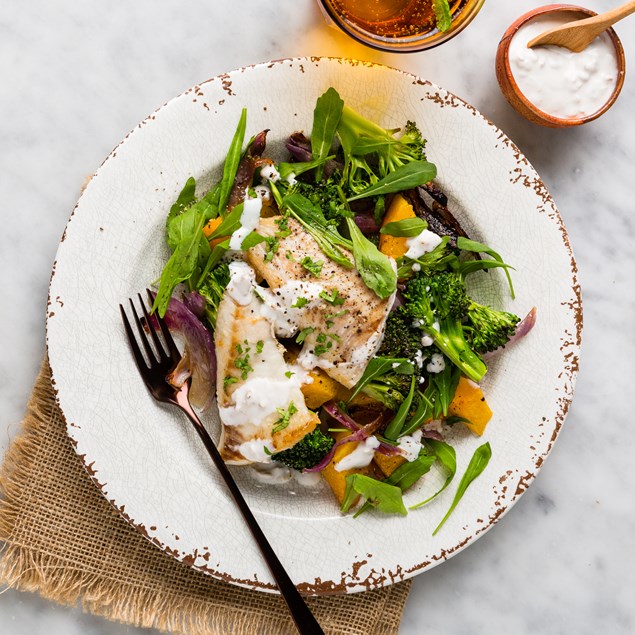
145 458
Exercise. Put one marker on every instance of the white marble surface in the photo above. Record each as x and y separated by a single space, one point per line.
77 76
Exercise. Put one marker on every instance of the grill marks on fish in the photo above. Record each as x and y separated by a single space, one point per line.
252 371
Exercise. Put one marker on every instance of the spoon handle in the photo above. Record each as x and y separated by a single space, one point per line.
614 15
577 35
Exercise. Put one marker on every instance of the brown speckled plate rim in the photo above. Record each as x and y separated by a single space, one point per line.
571 349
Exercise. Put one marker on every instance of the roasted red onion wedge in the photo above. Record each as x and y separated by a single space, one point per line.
523 327
199 356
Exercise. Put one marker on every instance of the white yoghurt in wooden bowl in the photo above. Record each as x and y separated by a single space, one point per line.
550 85
558 81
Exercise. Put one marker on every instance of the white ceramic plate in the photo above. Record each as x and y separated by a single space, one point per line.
146 459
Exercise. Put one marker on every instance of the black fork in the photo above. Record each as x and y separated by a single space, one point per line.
163 358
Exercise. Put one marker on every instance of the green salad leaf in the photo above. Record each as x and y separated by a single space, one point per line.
326 116
285 170
473 265
383 496
375 268
393 430
231 162
446 456
405 476
190 252
404 177
184 200
475 468
405 228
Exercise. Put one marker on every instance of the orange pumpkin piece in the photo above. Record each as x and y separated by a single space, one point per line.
335 479
323 388
399 209
210 228
388 464
469 403
320 390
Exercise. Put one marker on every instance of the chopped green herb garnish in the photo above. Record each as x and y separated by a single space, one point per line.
259 346
302 335
242 361
285 417
229 380
283 227
331 317
299 303
272 244
314 267
333 298
289 374
323 344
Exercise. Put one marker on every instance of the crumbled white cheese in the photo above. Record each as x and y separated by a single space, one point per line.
425 242
291 180
426 340
269 173
435 425
410 445
436 364
416 267
263 192
419 358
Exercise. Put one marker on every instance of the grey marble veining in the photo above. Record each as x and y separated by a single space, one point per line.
77 76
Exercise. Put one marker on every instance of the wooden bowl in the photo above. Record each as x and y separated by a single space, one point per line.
513 93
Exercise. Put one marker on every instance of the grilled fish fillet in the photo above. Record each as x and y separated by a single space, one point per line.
343 320
257 390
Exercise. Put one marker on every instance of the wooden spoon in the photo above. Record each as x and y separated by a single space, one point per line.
577 35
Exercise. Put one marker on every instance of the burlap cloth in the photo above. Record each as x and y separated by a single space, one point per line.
65 541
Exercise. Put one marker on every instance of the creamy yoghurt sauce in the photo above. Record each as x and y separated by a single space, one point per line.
248 221
559 82
361 456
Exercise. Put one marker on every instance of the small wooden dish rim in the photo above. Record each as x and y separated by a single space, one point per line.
503 50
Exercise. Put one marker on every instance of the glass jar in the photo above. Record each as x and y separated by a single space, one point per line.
397 26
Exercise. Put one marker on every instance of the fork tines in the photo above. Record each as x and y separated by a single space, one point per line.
162 355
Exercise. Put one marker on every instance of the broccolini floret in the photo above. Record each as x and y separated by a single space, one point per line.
401 339
212 290
439 301
390 389
371 152
324 195
307 452
487 329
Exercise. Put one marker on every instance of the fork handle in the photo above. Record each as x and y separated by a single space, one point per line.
302 616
